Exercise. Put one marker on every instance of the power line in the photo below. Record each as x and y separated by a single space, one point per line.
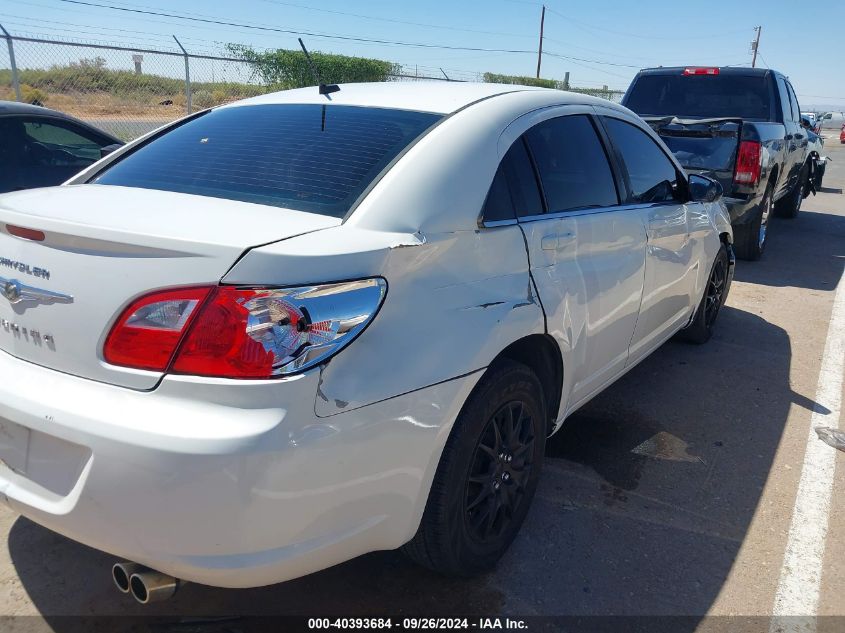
297 32
586 25
592 61
336 36
395 21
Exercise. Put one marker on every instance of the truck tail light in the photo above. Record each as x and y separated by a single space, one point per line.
700 70
748 161
233 332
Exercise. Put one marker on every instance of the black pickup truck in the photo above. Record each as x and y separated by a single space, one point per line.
740 126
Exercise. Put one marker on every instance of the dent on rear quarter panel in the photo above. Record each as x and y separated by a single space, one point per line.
454 301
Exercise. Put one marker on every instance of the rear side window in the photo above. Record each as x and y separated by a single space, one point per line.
315 158
652 176
514 191
572 164
701 96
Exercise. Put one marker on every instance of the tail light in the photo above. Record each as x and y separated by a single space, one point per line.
147 333
700 70
232 332
748 163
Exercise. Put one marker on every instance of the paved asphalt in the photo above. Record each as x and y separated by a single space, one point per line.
671 493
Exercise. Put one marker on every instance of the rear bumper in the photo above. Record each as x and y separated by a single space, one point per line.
742 210
219 482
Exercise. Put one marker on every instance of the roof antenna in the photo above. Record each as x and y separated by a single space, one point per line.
325 89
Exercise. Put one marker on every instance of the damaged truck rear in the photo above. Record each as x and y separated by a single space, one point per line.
739 126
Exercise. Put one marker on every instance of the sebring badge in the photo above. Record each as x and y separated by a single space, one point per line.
16 292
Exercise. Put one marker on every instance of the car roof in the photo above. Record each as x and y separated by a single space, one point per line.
16 108
442 97
743 71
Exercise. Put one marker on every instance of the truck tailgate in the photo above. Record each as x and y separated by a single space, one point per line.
702 146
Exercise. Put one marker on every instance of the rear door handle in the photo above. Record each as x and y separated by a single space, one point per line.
556 241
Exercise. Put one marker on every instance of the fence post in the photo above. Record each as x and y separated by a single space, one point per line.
15 83
188 108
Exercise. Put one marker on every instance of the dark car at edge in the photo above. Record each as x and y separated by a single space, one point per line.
40 147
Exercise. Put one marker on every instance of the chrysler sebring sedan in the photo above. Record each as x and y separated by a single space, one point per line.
284 332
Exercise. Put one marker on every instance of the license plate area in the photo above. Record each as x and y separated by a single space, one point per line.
14 445
48 461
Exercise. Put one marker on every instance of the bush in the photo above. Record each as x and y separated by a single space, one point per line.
285 69
494 78
202 99
33 95
91 76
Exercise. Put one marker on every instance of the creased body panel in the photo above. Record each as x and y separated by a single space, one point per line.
454 301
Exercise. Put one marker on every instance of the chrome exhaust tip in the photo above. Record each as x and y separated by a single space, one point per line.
122 572
152 586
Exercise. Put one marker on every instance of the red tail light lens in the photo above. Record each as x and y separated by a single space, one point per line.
748 163
149 330
230 332
219 343
701 70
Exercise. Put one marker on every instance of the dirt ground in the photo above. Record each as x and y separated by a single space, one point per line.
671 493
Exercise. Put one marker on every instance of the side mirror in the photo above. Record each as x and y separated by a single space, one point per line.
805 123
704 189
108 149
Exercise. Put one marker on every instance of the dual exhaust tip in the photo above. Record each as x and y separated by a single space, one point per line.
146 585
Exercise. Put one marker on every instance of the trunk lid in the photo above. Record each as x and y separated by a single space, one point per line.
702 146
104 246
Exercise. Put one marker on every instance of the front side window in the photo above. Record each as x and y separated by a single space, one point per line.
652 176
572 164
307 157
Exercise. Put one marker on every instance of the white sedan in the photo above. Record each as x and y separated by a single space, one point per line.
287 331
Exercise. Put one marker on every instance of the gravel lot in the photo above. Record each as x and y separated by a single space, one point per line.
692 522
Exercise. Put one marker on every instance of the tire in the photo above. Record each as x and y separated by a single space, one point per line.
750 239
479 470
715 295
789 206
820 176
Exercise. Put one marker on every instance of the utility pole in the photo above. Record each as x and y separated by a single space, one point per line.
755 45
540 49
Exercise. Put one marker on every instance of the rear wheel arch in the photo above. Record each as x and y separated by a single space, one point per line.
542 355
773 177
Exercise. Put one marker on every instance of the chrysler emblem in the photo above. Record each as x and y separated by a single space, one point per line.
16 292
12 291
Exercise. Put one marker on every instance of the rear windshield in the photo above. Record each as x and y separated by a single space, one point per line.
315 158
701 96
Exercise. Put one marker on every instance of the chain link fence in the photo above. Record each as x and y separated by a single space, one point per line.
125 91
130 91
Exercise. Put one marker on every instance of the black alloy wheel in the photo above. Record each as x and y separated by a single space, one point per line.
487 474
499 472
714 295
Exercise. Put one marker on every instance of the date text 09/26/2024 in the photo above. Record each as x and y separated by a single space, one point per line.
409 624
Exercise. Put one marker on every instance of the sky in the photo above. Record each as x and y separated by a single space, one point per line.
600 42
